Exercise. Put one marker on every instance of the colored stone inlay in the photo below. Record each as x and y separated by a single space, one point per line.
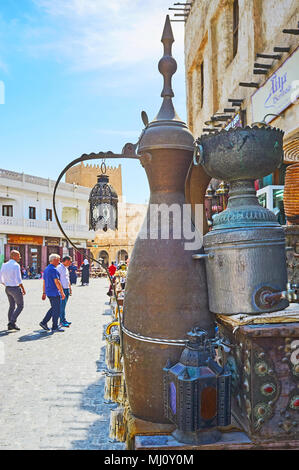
268 389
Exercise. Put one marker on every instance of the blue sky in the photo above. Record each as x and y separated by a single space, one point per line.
77 75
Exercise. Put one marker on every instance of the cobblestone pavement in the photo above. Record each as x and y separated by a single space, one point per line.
52 385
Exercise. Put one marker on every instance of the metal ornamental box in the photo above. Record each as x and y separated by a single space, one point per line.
264 363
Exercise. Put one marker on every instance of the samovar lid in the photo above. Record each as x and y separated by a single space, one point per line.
167 130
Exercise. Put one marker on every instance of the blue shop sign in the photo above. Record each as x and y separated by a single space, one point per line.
280 90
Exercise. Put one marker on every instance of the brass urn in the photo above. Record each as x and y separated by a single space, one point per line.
166 290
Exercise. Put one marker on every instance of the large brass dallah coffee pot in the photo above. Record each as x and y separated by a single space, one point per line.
166 290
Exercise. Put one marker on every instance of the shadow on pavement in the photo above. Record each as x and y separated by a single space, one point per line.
107 311
35 336
6 332
97 437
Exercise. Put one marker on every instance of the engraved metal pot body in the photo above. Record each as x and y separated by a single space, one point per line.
245 264
166 291
242 153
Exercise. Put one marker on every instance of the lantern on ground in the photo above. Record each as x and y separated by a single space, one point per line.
103 202
197 392
222 193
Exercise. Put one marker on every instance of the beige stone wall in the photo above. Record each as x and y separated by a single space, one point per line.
131 217
86 175
209 38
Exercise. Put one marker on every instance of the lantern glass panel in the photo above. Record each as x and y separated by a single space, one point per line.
103 202
172 393
208 406
206 371
177 369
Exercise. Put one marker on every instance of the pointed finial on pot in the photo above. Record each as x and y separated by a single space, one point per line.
166 130
167 65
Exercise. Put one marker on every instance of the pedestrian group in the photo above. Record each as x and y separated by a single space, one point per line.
57 280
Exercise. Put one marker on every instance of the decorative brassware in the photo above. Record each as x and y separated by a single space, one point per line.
166 291
197 392
291 194
245 250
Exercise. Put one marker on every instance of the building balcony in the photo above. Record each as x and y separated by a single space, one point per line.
22 226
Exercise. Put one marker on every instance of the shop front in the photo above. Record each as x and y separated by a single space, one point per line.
79 256
52 245
30 248
2 245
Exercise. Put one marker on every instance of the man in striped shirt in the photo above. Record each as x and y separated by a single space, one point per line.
10 276
64 274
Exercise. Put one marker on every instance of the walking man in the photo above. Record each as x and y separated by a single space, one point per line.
52 289
66 285
10 276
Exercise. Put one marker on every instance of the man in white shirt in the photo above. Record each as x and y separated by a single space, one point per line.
64 274
10 276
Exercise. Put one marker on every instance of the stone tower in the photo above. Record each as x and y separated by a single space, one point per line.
86 175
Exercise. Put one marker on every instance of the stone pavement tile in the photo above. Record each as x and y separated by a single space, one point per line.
51 395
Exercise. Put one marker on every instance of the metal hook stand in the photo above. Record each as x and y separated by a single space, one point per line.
103 167
94 156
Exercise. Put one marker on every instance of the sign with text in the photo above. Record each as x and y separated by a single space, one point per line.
236 121
279 91
24 240
52 241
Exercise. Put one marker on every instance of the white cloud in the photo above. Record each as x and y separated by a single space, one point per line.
92 34
121 133
82 8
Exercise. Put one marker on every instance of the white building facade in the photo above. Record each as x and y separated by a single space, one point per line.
27 221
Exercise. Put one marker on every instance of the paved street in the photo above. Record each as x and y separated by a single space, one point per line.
52 385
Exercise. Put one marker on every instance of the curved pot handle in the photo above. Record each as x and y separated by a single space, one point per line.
198 158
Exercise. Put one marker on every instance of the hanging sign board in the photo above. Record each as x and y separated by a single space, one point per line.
24 240
236 121
280 91
52 241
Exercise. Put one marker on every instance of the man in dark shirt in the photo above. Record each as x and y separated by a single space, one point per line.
52 289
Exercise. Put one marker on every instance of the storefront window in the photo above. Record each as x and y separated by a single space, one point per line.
277 197
34 253
263 199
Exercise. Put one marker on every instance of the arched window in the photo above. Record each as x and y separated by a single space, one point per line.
122 255
70 215
105 257
235 26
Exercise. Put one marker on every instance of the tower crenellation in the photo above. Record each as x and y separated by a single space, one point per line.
86 175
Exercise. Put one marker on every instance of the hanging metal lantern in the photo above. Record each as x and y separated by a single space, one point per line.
103 202
197 392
